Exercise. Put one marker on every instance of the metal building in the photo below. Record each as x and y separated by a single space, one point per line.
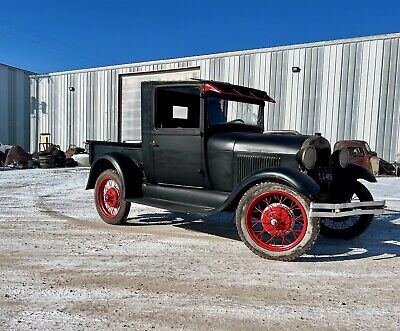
14 106
345 89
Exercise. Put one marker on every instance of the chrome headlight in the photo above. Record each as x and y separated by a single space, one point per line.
307 157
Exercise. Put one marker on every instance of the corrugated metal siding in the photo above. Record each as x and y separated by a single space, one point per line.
130 98
345 90
14 106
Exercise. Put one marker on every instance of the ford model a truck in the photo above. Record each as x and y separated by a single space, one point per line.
204 150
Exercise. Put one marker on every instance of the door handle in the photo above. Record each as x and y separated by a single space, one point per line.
153 143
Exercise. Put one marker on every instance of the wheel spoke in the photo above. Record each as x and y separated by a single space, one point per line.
270 239
260 233
255 221
295 235
267 201
258 209
283 240
298 219
292 206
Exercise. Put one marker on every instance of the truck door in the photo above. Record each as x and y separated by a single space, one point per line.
177 140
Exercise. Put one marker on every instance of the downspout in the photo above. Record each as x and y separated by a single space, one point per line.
37 116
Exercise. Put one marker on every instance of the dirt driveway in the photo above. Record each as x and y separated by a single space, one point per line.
61 267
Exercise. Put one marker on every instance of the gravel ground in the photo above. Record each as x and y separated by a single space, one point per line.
61 267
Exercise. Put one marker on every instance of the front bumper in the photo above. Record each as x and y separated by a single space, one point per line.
332 210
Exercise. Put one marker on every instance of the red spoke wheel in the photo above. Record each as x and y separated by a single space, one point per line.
272 220
109 200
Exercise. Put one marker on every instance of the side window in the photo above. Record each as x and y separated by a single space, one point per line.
177 107
356 151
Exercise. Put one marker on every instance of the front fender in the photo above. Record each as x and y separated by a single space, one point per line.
353 172
126 168
286 176
344 181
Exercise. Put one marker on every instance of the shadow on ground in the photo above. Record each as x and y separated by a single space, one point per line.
381 240
221 225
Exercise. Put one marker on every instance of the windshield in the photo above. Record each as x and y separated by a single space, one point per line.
222 111
367 147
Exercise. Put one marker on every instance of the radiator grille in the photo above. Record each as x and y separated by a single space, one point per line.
247 164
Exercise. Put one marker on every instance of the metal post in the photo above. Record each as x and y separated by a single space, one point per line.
37 116
71 112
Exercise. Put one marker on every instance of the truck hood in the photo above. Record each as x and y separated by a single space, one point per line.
257 142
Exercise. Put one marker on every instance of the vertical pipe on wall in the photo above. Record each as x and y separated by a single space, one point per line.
36 147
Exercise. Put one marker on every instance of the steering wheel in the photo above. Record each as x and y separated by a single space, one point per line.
237 120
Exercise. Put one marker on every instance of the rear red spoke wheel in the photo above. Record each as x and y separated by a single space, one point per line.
276 221
109 197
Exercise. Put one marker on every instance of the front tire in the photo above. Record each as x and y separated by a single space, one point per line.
272 220
108 198
352 226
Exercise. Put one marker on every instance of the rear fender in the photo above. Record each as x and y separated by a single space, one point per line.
286 176
126 168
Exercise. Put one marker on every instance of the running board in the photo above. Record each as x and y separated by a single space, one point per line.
332 210
174 206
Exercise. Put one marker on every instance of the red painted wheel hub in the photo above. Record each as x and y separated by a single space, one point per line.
109 197
276 220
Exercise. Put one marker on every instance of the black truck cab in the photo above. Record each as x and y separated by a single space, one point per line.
204 150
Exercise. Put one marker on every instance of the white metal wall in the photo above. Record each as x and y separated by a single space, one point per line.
14 106
347 89
130 98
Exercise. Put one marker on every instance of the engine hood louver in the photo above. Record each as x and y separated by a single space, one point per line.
247 164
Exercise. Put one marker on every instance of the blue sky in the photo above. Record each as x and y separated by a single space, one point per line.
47 36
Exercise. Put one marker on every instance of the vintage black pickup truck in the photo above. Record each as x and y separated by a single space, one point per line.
204 150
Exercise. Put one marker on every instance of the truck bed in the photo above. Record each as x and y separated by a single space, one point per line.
99 148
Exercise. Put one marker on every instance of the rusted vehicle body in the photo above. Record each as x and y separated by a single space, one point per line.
397 164
360 153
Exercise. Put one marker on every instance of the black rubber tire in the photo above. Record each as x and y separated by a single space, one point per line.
124 206
303 246
46 165
46 161
361 224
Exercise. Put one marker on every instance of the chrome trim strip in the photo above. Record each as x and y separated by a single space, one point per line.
347 205
337 209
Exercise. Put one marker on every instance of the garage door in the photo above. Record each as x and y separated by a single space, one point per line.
130 99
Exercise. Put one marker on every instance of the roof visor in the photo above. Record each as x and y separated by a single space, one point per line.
235 92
